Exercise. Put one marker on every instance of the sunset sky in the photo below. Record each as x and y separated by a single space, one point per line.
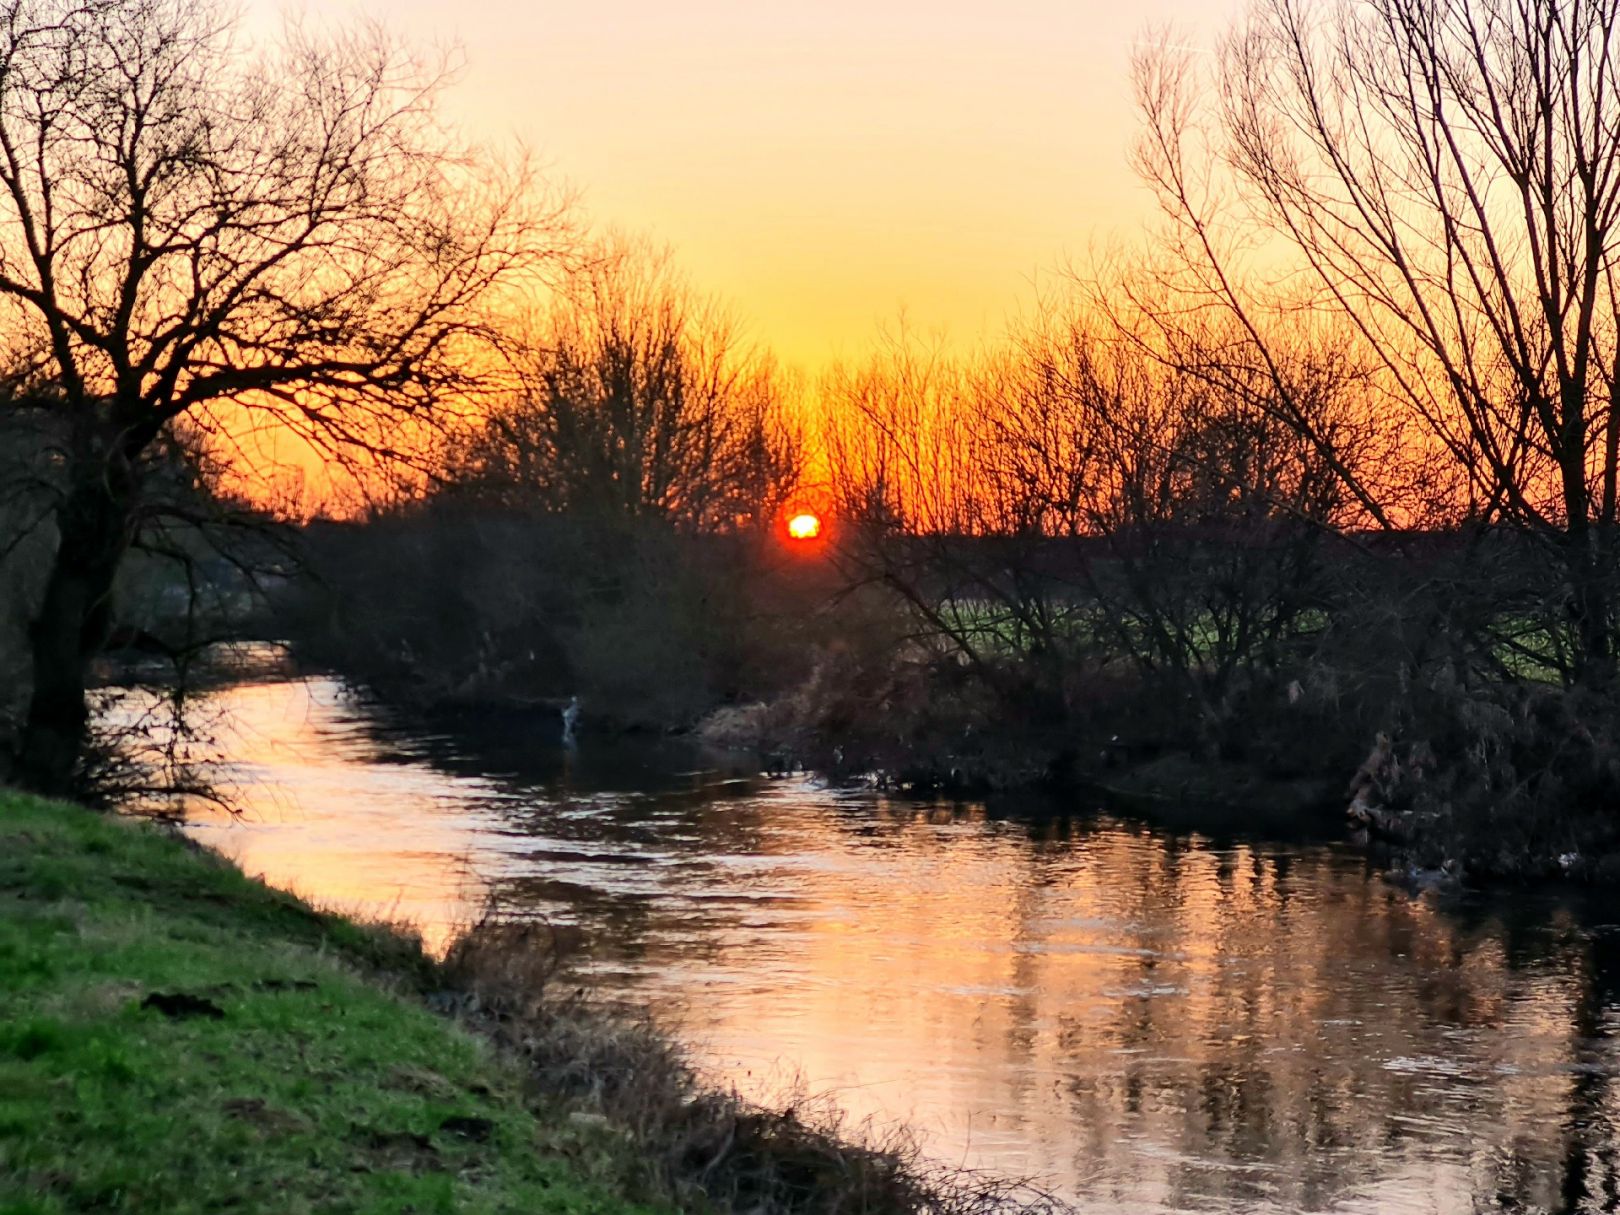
824 166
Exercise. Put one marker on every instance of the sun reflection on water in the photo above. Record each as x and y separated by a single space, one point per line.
1149 1021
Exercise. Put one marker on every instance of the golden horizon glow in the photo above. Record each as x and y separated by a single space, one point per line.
824 169
831 174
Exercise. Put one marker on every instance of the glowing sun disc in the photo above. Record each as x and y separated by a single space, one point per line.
804 527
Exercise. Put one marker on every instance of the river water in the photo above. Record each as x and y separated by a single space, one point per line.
1143 1017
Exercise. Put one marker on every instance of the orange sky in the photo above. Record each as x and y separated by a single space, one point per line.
823 165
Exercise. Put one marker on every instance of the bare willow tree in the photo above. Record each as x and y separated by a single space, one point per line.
904 470
635 400
892 430
1444 176
1196 518
1071 432
190 229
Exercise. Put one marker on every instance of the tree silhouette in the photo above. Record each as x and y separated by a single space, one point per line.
188 229
1443 176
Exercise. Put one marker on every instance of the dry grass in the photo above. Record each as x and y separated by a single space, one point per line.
699 1147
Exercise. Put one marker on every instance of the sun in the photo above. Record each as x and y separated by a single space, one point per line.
804 527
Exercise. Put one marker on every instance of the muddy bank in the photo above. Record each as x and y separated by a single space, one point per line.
1464 788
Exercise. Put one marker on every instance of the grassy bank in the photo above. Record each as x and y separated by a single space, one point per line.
175 1037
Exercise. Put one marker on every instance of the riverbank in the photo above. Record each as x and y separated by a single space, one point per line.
177 1037
1474 804
1490 786
1486 783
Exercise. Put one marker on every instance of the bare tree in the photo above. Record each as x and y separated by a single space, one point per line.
1197 515
190 229
1444 176
906 483
637 401
1072 500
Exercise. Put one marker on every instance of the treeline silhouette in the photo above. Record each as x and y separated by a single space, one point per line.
604 530
1067 560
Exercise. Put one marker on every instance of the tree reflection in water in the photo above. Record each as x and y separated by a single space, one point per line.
1149 1019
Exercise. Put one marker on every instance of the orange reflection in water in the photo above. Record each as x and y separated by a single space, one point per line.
1146 1021
328 813
1164 1025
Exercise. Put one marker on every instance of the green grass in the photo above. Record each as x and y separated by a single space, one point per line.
322 1087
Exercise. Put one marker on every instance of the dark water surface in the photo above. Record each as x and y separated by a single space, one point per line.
1146 1019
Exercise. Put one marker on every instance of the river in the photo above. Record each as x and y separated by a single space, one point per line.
1143 1017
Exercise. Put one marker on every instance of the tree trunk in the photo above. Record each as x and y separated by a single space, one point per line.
75 615
1590 609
